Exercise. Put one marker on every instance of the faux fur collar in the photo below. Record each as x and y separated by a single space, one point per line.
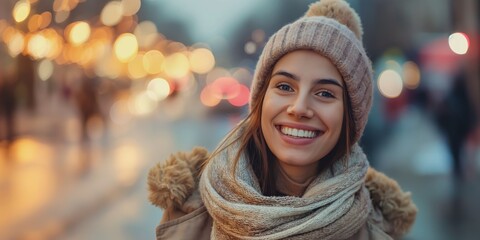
174 183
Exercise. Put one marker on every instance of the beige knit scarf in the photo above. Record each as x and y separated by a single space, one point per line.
335 205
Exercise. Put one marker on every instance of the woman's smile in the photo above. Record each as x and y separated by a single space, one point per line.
297 132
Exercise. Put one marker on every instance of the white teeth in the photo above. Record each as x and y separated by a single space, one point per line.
298 132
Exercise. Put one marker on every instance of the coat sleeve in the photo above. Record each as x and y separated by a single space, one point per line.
194 225
393 209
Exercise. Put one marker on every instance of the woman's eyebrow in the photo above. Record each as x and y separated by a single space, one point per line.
286 74
317 81
328 81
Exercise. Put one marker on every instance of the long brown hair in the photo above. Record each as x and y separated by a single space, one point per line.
252 143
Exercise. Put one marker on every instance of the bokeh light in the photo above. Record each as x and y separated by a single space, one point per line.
78 33
153 62
112 13
458 43
242 97
135 67
61 16
142 103
125 47
177 65
34 23
216 73
390 83
228 87
46 19
250 47
15 42
202 60
146 33
65 5
210 95
130 7
45 69
258 36
38 46
21 10
160 87
411 75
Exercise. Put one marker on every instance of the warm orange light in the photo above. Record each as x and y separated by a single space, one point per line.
143 103
38 46
146 33
210 96
55 41
64 5
15 43
61 16
3 26
202 60
46 19
126 47
79 33
153 61
177 65
34 23
112 13
411 75
135 67
21 10
45 69
130 7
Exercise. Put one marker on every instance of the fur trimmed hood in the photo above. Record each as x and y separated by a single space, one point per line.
174 184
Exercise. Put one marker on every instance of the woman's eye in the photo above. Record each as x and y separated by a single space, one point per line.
284 87
326 94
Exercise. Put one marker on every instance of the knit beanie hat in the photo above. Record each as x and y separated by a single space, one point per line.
332 29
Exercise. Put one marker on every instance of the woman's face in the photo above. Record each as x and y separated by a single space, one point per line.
302 112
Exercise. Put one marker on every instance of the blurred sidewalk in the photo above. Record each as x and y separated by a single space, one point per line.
52 183
50 180
417 156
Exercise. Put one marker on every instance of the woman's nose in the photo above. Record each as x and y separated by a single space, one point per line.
300 108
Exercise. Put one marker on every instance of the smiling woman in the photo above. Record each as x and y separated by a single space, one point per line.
302 112
293 167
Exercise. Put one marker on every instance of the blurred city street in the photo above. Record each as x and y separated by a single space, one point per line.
95 93
60 188
54 188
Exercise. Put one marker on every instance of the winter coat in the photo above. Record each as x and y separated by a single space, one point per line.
173 186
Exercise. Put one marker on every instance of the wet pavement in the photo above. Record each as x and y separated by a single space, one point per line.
53 186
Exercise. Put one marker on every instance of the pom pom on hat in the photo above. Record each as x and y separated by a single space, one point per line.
340 11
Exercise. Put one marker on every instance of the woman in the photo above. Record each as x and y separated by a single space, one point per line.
292 169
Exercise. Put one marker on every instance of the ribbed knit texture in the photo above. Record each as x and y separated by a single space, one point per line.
333 40
335 205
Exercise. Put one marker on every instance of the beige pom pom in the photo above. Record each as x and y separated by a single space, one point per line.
340 11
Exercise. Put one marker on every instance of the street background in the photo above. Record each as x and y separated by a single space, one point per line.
94 93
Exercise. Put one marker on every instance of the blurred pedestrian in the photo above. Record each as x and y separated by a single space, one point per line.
456 119
7 106
86 99
292 168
